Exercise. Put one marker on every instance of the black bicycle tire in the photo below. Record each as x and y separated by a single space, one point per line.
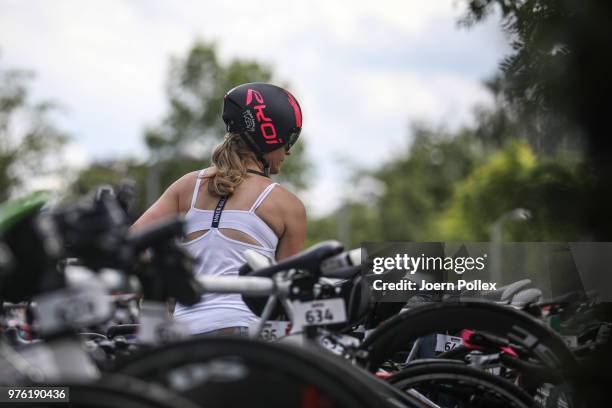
392 336
349 385
440 370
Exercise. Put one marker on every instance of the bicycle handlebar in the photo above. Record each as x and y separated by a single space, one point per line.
122 330
246 285
159 232
309 260
343 273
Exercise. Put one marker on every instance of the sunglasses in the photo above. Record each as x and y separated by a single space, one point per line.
293 137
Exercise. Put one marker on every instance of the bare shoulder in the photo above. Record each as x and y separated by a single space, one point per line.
290 203
283 211
185 181
183 189
293 215
169 204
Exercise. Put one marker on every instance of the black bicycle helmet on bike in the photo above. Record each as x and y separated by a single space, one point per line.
266 116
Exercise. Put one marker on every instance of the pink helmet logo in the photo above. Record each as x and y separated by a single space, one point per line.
250 94
296 110
266 124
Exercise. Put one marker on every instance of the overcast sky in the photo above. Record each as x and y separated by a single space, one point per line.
362 70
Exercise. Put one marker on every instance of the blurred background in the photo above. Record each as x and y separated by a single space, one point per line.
423 121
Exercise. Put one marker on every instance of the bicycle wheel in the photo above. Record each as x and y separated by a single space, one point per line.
235 372
449 383
395 334
116 391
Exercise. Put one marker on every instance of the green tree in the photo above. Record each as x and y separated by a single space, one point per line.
538 30
195 87
559 72
551 188
28 137
116 173
420 184
417 186
362 217
183 139
508 119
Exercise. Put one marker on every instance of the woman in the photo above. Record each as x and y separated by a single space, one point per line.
233 205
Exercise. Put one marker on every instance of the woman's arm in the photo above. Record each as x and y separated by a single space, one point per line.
294 235
165 207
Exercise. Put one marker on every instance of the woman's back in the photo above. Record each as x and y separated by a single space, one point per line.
229 209
217 238
253 199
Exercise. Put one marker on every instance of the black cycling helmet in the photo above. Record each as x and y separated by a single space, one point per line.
265 115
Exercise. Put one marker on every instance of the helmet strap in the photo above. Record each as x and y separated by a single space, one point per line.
249 141
259 173
266 165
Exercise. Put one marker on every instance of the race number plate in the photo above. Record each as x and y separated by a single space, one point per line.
493 370
445 342
340 345
156 326
571 341
319 312
72 308
272 330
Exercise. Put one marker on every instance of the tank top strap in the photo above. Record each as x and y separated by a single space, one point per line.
218 211
197 188
262 196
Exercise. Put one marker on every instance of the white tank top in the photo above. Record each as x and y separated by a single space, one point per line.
217 254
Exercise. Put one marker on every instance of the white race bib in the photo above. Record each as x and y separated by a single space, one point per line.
272 329
444 342
319 312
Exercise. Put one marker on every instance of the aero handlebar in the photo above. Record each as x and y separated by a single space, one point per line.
160 232
309 260
246 285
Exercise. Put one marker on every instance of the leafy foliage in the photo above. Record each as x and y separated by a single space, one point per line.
361 219
454 185
514 177
195 88
420 184
538 34
418 187
559 73
183 140
28 137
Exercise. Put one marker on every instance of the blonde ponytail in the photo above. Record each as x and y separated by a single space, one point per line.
230 159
